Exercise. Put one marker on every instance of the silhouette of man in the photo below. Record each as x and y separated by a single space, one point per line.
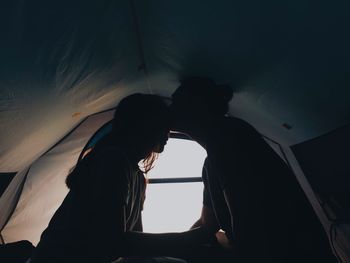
249 192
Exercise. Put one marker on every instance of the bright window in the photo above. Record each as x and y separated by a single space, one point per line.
171 207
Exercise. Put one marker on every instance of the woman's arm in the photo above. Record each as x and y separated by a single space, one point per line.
138 226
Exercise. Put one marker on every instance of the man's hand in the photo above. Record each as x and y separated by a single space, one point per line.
223 241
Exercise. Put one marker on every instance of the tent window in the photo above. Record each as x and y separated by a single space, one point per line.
174 193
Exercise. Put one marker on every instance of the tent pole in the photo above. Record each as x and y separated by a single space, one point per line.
16 198
2 241
142 65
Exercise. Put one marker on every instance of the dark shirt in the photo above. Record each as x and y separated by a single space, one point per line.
213 198
269 208
89 224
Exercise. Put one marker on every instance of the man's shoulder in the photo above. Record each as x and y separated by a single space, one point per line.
240 127
239 122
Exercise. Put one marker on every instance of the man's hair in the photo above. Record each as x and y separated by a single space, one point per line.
217 97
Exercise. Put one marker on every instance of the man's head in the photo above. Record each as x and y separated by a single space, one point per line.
198 96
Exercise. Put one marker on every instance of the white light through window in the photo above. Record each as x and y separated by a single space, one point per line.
172 207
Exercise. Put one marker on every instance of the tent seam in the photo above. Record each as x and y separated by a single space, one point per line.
25 177
281 149
143 65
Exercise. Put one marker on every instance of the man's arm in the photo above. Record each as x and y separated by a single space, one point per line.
208 220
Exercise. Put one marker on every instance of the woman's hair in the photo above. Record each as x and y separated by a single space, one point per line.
142 116
216 97
140 113
140 120
148 162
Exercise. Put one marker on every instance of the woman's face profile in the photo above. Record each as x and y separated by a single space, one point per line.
162 141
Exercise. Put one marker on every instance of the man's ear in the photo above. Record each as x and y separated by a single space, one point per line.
227 92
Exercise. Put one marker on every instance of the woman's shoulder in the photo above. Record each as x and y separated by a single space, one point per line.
106 160
109 152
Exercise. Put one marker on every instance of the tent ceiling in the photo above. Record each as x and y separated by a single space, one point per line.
64 60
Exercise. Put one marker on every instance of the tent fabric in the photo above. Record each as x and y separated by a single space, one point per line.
63 60
10 197
340 241
324 161
45 188
283 58
336 229
326 165
73 58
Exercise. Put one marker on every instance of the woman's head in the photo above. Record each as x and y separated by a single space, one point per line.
141 121
140 127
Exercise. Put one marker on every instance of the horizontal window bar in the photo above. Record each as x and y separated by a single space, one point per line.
174 180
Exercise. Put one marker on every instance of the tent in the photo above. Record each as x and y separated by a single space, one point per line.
65 64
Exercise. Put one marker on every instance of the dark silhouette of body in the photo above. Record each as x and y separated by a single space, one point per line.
249 191
16 252
100 218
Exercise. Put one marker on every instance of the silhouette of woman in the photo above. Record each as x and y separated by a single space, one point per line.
100 218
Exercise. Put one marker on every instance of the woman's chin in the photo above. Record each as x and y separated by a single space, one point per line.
159 148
